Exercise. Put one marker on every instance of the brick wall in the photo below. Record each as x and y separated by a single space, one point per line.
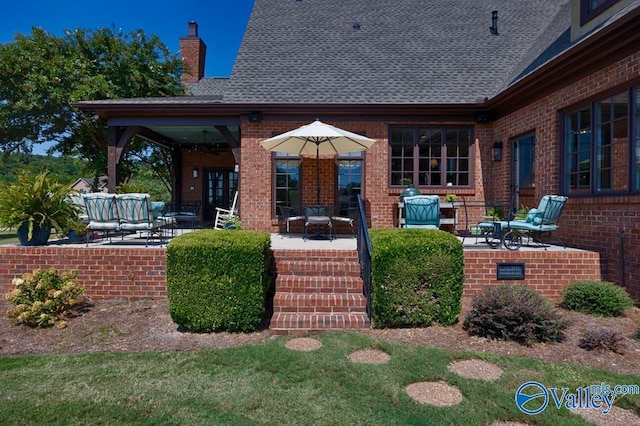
381 200
139 273
106 273
607 224
547 272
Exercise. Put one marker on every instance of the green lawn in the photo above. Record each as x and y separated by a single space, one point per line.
270 384
8 236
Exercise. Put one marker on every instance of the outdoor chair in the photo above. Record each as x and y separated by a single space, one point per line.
317 216
480 217
222 215
184 213
136 214
422 211
349 219
537 227
288 215
102 213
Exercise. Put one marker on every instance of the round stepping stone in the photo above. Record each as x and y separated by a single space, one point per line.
439 394
616 417
304 344
370 356
476 369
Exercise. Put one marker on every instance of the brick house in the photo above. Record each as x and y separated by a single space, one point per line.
554 85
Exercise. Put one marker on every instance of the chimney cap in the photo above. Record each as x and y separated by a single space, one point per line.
192 29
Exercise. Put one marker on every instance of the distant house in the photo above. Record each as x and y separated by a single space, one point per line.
491 99
84 185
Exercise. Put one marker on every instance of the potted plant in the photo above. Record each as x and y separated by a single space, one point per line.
233 222
35 204
77 232
410 191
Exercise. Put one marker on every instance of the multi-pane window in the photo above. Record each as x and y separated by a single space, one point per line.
525 151
592 8
287 180
597 146
636 139
578 151
349 179
433 157
612 143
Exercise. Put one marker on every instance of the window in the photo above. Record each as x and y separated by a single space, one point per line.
287 179
525 151
431 157
597 146
589 9
349 179
578 151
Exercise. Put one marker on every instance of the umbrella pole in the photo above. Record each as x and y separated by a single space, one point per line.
317 174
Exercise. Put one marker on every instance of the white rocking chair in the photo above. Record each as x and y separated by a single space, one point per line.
222 215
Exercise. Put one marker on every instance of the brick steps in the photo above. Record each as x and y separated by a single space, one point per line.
317 290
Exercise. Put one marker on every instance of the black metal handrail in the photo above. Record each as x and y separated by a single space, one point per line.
364 252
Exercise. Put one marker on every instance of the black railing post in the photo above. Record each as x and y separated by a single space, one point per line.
364 252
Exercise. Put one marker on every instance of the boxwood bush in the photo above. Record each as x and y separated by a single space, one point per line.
218 280
600 298
417 277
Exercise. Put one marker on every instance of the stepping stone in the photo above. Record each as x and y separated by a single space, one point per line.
616 417
476 369
370 356
304 344
439 394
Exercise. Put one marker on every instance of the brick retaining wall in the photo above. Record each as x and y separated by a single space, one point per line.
139 273
106 273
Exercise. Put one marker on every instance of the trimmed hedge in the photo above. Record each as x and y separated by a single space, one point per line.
218 280
417 277
600 298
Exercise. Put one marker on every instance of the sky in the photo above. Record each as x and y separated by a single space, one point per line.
221 23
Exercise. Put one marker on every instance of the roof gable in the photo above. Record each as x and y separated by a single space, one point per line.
405 51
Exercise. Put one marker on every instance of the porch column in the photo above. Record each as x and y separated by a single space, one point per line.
117 140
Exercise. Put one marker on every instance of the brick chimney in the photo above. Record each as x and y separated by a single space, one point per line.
193 52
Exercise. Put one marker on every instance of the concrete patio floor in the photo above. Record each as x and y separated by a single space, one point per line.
284 242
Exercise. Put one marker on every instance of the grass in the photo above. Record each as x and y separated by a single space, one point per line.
270 384
8 236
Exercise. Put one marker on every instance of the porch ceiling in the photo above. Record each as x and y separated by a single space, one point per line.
195 135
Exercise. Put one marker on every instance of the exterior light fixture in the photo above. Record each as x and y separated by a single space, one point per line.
496 151
255 117
194 173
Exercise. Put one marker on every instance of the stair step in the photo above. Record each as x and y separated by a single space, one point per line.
319 303
318 284
316 255
296 323
321 268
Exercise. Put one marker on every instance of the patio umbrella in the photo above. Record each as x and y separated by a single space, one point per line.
320 139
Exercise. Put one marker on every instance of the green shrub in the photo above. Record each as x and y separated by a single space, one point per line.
41 299
218 280
417 277
600 298
603 338
514 313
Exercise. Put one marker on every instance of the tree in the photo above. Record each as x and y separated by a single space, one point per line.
41 75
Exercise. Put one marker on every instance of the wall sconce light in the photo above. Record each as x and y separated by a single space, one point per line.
194 173
255 117
496 151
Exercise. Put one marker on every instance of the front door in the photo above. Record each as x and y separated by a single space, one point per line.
523 171
220 184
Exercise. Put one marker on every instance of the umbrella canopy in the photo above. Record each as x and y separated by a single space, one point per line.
317 139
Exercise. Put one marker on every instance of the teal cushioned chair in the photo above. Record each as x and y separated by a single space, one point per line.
422 211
